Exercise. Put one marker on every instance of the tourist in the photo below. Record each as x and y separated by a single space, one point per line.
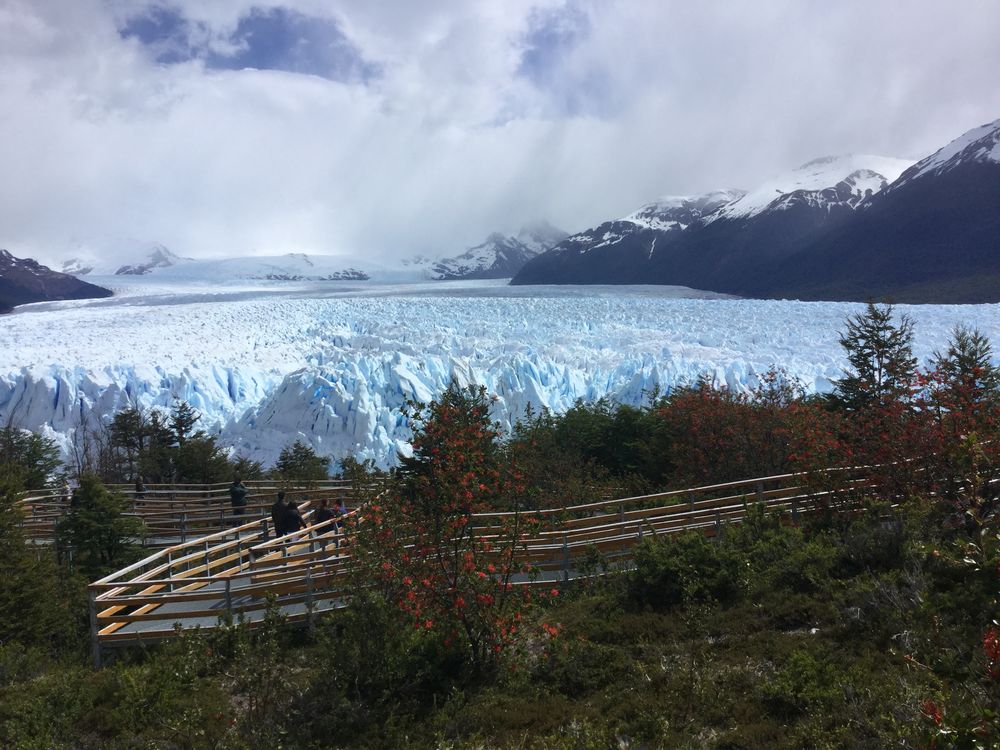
278 514
293 520
238 496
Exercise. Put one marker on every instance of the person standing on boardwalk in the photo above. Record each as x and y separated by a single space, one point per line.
323 512
140 488
278 514
238 496
293 520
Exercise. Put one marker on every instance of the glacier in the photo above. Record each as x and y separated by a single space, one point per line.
334 364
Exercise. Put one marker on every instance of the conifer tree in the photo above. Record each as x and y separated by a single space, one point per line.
35 596
300 462
102 537
966 368
183 418
36 457
880 353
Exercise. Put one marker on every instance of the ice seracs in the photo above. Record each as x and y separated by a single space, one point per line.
265 368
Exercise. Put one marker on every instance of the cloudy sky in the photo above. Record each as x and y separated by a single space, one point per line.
394 127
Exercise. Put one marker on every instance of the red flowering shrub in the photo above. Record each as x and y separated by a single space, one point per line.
425 543
719 435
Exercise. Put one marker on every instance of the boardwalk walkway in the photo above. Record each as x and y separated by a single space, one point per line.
234 571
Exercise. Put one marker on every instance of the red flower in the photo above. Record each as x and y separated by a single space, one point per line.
932 711
991 645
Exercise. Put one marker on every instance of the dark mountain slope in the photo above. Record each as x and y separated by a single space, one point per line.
931 239
25 280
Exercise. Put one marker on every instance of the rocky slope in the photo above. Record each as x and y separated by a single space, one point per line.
23 280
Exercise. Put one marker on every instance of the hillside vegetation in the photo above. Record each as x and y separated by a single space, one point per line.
869 628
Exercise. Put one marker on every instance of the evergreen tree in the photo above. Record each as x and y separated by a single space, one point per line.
246 468
966 368
880 353
156 461
36 457
183 418
200 460
101 536
36 600
300 462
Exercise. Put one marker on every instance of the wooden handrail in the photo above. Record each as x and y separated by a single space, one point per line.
238 567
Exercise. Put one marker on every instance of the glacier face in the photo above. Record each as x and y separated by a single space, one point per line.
335 364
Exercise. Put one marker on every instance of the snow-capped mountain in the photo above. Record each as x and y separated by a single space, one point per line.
838 228
718 241
616 251
500 256
23 280
120 258
538 236
290 267
827 182
158 257
679 212
978 146
932 236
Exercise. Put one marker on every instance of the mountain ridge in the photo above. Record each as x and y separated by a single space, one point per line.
23 281
834 228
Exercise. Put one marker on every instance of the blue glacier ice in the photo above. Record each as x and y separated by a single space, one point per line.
336 367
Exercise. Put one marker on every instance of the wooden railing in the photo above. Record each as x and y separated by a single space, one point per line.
173 514
236 572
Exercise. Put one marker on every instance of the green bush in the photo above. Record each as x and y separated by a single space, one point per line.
806 683
579 667
684 568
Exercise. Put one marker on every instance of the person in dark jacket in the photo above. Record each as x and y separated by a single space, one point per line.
293 520
238 496
323 512
278 514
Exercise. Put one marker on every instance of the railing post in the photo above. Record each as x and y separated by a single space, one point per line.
795 512
206 557
264 529
95 642
621 514
310 616
170 570
229 597
184 517
760 492
565 558
718 523
690 497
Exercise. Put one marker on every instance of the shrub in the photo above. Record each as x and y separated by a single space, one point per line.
685 568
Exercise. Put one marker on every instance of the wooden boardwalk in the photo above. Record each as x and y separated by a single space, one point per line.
174 513
233 572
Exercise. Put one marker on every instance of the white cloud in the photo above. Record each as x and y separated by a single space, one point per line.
459 134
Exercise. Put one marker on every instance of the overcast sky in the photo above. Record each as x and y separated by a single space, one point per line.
395 127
